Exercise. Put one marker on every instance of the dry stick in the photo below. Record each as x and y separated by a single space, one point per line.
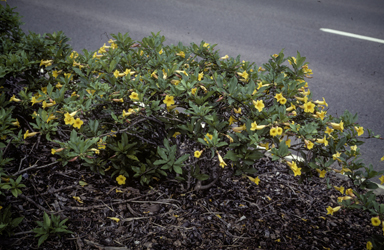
94 244
34 203
102 206
35 166
21 162
9 143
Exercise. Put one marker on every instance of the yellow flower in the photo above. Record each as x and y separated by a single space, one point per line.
209 136
261 69
222 163
359 130
376 221
58 85
224 57
16 123
51 117
381 179
161 52
134 96
46 63
56 73
118 100
121 179
302 99
27 134
259 105
283 101
273 131
100 144
193 91
309 144
230 138
321 102
77 198
291 108
340 199
201 76
204 88
130 111
321 173
47 105
54 151
255 127
237 111
309 107
154 74
175 82
197 154
279 130
69 75
336 156
206 45
294 168
354 148
288 143
114 46
182 54
117 73
14 99
324 140
102 50
74 54
382 158
129 72
320 115
340 189
77 123
331 210
232 120
292 59
95 150
279 96
254 180
169 100
244 75
329 130
114 218
239 129
95 55
34 100
338 126
69 120
176 134
369 245
349 192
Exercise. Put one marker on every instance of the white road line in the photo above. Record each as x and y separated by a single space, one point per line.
342 33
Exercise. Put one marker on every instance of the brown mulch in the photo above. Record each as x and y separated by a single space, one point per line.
278 213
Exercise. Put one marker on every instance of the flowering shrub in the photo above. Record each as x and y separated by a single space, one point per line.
149 111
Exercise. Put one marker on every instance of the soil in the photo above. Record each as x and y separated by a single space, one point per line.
279 213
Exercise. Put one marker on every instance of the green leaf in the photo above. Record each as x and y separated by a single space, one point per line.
231 155
371 185
160 162
47 220
42 239
182 159
177 169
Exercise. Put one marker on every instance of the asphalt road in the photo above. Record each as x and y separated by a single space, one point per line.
348 72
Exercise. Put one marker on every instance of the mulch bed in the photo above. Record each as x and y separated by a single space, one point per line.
278 213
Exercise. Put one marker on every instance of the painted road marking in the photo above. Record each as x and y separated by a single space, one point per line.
342 33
